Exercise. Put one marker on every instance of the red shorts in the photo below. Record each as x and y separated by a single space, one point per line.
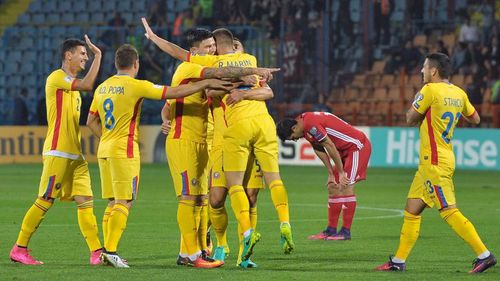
355 163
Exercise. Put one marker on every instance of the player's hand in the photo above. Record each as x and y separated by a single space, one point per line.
331 180
93 48
343 179
267 73
234 97
249 80
165 127
221 84
149 32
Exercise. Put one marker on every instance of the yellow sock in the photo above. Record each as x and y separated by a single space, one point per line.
105 219
183 251
240 239
88 225
203 226
253 217
241 206
187 225
465 229
280 200
409 235
116 225
32 220
218 217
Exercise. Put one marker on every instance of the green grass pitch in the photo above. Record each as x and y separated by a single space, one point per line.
150 242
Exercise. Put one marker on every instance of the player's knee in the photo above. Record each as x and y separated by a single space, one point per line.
252 194
216 202
82 199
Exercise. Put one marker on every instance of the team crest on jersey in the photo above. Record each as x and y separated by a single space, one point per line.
194 181
67 79
58 185
315 133
418 98
216 175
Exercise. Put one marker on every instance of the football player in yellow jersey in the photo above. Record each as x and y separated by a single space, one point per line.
114 118
186 146
65 172
436 111
254 123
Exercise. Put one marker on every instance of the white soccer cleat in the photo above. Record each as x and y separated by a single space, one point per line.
114 260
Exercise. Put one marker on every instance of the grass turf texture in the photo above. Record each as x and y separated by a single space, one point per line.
150 242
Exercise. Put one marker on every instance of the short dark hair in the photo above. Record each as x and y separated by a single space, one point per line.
69 45
193 37
223 36
441 62
125 56
284 128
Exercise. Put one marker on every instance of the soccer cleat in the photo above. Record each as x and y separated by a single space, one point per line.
343 234
114 260
391 266
95 257
248 243
220 253
247 264
329 231
480 265
183 260
22 255
286 238
205 262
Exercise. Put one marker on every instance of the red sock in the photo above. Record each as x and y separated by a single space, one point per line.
348 213
334 208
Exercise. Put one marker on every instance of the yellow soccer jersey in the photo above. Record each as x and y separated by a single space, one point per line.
245 108
118 102
442 104
63 116
188 115
218 112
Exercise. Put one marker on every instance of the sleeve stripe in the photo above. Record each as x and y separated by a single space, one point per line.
73 84
95 113
202 74
164 94
188 58
472 113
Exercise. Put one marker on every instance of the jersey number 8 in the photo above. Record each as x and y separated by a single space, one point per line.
109 119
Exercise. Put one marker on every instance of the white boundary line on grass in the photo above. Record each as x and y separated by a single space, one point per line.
397 213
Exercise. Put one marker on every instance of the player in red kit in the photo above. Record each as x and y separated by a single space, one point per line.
349 148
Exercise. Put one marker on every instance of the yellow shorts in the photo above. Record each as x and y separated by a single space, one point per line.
120 177
434 185
187 161
253 173
64 178
257 135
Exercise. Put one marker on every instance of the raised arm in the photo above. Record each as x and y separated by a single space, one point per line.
166 46
87 83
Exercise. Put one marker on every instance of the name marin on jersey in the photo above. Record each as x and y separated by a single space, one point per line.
240 63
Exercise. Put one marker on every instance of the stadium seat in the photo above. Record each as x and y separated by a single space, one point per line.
27 67
458 80
415 80
64 6
24 19
35 6
38 18
80 6
124 6
95 7
97 17
139 6
50 6
380 94
14 56
82 17
53 18
394 93
420 40
448 40
359 80
387 80
108 7
378 67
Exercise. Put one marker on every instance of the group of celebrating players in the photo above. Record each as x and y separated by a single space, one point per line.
221 140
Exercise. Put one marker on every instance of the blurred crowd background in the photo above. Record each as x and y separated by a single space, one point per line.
358 59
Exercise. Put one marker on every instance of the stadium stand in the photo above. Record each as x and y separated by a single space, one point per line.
327 49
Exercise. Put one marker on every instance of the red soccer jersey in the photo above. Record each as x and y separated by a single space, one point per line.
319 125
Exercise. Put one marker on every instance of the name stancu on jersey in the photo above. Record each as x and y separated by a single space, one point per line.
240 63
119 90
453 102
